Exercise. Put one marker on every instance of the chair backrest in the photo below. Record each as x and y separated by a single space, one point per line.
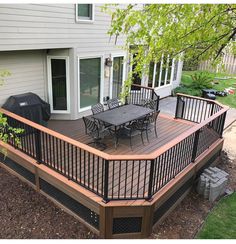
149 103
97 108
113 103
91 127
153 116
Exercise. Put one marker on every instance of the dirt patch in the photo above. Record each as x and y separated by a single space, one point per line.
26 214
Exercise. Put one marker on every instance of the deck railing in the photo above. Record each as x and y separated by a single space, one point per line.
119 177
138 94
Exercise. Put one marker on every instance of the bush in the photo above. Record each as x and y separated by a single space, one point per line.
187 90
193 84
202 80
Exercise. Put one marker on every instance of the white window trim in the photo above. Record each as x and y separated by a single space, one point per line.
160 75
50 95
86 21
101 79
124 71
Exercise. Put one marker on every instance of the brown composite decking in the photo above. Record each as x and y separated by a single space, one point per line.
167 129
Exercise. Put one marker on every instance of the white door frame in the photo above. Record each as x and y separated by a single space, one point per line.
124 70
50 93
101 79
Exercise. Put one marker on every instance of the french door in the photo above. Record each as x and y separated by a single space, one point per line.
117 76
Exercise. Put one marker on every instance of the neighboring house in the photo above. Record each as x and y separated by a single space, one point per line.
60 53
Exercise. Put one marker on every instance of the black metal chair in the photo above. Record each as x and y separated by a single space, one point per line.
149 103
137 127
113 103
151 121
97 108
97 132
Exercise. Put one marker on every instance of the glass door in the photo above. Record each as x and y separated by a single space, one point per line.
117 76
90 82
58 85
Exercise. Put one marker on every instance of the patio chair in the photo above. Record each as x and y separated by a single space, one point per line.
97 132
97 108
113 103
137 127
150 122
149 103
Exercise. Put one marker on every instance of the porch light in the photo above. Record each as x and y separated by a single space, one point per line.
108 62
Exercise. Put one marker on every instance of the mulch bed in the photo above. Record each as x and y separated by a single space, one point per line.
26 214
188 217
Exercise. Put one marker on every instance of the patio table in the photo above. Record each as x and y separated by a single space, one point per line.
122 115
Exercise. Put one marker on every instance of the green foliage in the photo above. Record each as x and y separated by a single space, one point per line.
221 222
7 132
201 80
187 90
190 32
194 83
186 87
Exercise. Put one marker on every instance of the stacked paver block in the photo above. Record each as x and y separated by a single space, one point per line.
212 183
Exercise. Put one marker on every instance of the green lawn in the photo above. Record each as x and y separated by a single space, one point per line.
229 100
221 222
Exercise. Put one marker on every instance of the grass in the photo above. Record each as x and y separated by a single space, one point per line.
229 100
221 222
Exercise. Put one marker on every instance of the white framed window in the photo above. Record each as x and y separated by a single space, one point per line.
58 84
84 13
90 81
161 73
117 76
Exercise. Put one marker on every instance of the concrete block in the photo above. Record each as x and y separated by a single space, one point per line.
212 183
201 184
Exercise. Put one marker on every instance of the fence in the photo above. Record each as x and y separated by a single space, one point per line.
228 65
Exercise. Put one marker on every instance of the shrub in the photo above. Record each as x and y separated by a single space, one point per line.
187 90
202 80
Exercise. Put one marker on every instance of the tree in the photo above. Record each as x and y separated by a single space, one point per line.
188 31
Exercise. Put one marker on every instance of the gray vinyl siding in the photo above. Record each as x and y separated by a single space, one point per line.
27 73
35 26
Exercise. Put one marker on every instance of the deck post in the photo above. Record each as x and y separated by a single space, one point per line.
38 146
222 125
150 185
106 177
177 106
195 145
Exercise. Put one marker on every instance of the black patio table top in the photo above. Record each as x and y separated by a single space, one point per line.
123 114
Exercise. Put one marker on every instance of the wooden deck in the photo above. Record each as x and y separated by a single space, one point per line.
167 129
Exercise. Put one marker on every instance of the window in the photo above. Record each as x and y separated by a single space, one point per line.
90 82
58 84
84 12
160 73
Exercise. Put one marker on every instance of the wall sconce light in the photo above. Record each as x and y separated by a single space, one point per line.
108 62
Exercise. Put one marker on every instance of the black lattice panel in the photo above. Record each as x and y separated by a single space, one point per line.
127 225
18 168
83 212
172 200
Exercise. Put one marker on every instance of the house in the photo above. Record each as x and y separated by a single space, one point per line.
60 52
